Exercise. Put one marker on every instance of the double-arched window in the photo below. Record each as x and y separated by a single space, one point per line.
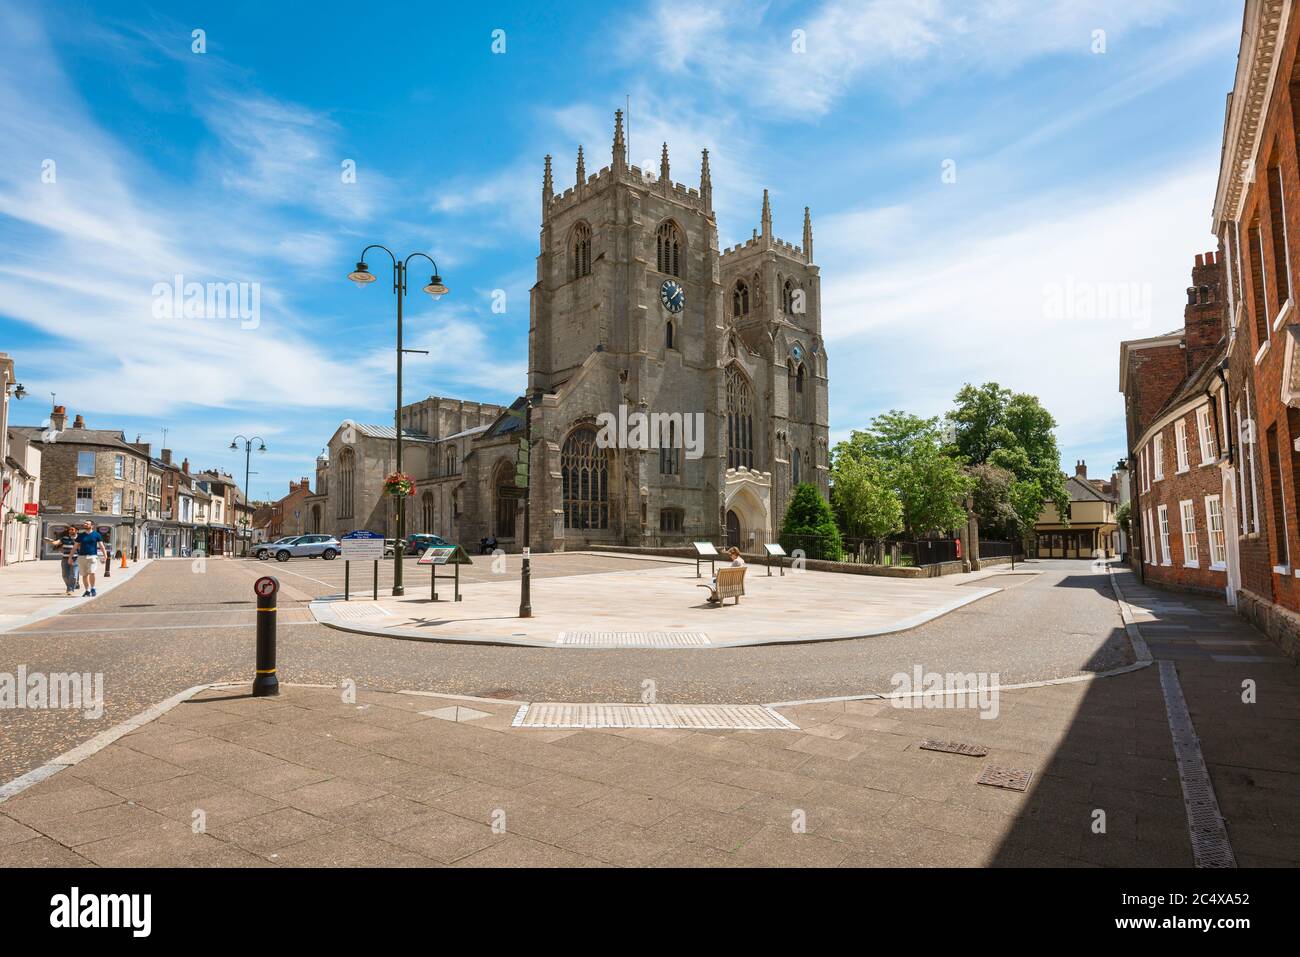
668 243
740 298
740 419
787 297
580 251
584 467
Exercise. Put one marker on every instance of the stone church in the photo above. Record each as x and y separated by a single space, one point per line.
635 309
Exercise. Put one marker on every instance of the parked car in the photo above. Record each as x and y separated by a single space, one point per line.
265 550
305 546
416 544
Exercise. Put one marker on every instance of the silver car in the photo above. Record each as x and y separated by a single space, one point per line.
304 546
265 550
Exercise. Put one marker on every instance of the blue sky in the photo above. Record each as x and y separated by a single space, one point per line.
1077 171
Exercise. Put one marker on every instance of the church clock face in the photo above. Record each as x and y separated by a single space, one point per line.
672 295
797 352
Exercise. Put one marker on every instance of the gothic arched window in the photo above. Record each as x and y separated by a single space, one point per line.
507 501
451 462
740 419
740 299
426 511
669 333
668 242
580 251
347 483
584 467
794 468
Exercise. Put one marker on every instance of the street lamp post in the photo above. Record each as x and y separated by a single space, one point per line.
362 276
248 498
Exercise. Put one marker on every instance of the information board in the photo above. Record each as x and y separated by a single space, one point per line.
362 546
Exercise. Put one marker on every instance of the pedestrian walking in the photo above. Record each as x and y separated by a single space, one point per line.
89 546
67 543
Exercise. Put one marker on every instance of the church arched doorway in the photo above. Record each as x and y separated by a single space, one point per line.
507 497
733 529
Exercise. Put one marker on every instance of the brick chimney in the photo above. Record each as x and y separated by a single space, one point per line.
1081 470
1205 313
58 418
185 465
78 422
167 456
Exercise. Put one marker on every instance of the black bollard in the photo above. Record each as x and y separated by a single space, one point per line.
265 683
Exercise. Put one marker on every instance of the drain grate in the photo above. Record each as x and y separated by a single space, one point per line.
712 717
955 747
359 612
1013 779
1210 844
633 639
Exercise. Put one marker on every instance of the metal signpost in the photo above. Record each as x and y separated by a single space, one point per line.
777 552
704 551
362 545
452 555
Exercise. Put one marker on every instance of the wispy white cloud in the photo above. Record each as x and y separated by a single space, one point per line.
798 64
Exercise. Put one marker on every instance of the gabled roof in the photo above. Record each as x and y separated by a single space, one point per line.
107 438
1082 490
510 420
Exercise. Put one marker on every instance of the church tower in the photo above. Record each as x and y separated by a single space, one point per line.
625 315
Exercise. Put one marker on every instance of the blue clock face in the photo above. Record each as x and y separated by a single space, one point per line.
797 351
672 295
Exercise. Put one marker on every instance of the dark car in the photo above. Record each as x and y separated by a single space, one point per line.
416 544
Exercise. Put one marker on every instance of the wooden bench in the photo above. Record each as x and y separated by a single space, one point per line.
730 584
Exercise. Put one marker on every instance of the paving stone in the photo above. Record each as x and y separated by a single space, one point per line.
620 843
40 852
348 848
515 851
273 830
445 837
325 796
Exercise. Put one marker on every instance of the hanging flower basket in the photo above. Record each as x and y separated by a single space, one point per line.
399 484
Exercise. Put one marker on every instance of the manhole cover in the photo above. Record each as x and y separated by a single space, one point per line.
1013 779
713 717
956 747
633 639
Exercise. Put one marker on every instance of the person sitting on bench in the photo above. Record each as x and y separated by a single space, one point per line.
736 562
487 545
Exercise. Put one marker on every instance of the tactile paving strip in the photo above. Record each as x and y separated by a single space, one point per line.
634 639
347 611
712 717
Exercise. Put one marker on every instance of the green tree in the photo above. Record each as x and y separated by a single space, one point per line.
1013 431
865 505
809 525
992 499
910 455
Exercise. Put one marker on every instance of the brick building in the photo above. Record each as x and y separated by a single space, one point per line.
1169 382
90 474
1257 219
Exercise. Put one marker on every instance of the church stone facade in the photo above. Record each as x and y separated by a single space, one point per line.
634 308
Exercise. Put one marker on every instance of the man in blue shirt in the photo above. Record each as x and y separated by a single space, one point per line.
89 544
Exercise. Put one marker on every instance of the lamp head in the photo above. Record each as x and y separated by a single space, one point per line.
435 288
362 274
